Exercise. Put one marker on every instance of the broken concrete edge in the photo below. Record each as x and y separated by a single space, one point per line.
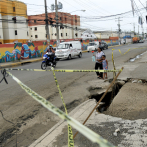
60 123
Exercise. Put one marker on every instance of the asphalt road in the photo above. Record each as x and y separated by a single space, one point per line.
18 107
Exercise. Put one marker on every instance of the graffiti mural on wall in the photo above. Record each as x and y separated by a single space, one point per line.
21 51
30 50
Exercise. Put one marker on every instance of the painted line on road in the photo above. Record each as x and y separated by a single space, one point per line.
127 50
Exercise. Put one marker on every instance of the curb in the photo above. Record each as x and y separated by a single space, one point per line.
19 63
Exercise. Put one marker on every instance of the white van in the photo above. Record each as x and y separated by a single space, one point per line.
93 46
67 50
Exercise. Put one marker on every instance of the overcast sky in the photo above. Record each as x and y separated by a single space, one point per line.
96 8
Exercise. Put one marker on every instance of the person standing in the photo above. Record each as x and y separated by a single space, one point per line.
98 64
105 66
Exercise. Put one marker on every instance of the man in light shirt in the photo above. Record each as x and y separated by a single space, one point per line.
98 64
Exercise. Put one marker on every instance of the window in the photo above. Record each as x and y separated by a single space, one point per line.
13 9
65 19
30 28
46 35
63 46
15 32
60 18
27 33
36 36
34 21
14 19
31 35
76 28
61 34
35 28
66 34
55 34
75 21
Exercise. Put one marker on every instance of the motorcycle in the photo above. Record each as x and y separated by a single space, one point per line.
48 61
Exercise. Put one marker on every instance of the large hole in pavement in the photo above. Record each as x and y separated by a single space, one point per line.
106 102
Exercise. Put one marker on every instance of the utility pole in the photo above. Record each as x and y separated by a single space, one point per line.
46 20
119 30
57 28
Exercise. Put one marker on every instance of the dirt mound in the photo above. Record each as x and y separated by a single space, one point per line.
130 102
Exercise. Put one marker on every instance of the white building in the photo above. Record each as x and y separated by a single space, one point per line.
88 34
70 30
105 34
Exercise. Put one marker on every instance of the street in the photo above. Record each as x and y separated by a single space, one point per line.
31 118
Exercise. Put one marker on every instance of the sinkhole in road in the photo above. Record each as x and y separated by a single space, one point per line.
106 102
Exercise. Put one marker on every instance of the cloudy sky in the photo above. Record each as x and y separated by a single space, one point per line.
96 9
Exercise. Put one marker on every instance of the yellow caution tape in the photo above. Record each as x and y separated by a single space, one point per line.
114 73
64 70
70 134
128 50
74 123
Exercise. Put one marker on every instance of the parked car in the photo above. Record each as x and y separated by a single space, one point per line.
93 46
141 41
67 50
103 45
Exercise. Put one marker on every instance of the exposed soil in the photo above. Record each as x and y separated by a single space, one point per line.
130 103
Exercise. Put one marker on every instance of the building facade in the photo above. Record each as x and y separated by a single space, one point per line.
88 34
105 34
69 26
13 24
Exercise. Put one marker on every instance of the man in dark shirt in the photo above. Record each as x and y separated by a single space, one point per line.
51 52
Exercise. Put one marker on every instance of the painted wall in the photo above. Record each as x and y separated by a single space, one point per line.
12 52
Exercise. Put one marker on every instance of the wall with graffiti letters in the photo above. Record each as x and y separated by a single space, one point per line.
14 52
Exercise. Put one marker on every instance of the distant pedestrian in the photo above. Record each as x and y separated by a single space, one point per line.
98 64
105 66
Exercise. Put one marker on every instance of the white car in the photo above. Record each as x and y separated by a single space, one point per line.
93 46
67 50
